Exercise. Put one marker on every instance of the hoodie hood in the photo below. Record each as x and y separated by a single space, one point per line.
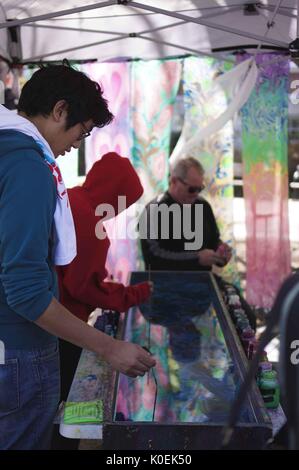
10 120
110 177
12 140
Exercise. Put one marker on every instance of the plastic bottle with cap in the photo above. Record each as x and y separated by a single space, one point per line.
269 388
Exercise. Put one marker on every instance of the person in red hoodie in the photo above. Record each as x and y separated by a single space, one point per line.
82 284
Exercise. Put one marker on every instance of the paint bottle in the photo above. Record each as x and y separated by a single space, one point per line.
241 324
269 388
238 313
264 366
234 300
249 342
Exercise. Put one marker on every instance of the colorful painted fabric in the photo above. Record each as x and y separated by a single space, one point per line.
155 85
264 141
216 152
114 79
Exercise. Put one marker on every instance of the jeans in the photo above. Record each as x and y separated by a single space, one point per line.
29 397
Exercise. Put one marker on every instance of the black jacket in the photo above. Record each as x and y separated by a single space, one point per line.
170 254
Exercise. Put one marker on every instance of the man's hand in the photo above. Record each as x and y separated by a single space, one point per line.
225 251
209 257
128 358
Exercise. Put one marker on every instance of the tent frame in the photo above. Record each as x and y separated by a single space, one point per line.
203 20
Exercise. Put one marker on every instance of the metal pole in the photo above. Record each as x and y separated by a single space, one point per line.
74 48
68 28
280 12
127 36
270 25
70 11
227 29
187 49
228 10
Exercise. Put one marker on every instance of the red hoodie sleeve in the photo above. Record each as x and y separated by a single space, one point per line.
96 293
83 278
119 297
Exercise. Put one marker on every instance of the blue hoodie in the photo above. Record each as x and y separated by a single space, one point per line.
27 205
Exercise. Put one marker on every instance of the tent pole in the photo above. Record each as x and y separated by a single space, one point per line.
187 49
183 22
70 11
280 11
208 24
68 28
270 25
41 56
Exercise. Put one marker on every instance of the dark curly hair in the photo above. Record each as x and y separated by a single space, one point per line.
53 83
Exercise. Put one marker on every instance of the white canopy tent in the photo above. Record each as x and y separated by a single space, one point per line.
147 29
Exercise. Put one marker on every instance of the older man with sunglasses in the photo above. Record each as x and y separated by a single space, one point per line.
165 252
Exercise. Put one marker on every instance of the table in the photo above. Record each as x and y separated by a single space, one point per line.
200 363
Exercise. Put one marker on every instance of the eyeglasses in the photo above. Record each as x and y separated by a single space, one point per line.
85 134
192 189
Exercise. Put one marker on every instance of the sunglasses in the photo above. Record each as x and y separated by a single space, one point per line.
192 189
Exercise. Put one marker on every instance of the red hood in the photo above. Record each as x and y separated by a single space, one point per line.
110 177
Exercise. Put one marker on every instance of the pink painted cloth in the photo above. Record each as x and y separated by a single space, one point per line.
265 176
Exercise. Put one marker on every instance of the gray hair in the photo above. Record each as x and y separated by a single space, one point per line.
180 169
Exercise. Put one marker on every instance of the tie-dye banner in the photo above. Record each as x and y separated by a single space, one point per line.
115 80
154 88
265 166
216 152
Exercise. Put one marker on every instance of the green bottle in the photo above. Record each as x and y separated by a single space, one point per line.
269 388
